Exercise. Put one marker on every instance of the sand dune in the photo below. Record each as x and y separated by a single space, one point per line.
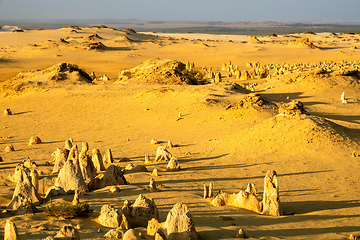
227 131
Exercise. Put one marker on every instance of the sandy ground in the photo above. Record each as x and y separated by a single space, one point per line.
318 178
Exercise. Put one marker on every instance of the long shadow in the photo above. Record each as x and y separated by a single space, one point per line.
119 49
172 181
302 207
283 96
200 159
21 113
353 118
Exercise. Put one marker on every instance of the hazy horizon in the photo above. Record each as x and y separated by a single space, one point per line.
317 11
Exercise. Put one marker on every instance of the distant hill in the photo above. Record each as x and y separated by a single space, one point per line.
231 28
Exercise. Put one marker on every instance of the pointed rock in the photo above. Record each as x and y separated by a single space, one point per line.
271 199
10 231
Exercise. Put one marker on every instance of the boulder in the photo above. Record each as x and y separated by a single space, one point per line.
9 148
60 157
68 232
97 160
35 140
22 205
7 112
25 188
54 191
143 210
87 167
110 217
271 199
70 177
114 233
10 231
178 225
173 165
162 154
108 157
131 235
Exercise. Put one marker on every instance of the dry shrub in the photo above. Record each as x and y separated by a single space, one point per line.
65 211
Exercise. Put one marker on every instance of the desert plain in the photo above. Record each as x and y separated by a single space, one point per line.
219 136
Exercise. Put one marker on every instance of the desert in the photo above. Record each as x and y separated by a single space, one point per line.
179 135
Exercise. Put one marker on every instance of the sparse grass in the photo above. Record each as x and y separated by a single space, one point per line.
68 211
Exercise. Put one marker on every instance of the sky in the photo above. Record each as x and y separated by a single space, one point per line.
184 10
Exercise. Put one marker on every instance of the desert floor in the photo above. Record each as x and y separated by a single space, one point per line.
318 178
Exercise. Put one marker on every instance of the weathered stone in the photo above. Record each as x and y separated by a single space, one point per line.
24 190
7 112
271 199
10 232
162 154
68 145
143 210
152 186
155 173
179 224
114 189
240 234
97 160
114 233
76 199
70 177
9 148
109 216
22 205
29 163
35 140
87 167
68 232
108 157
130 235
60 158
173 165
35 179
54 191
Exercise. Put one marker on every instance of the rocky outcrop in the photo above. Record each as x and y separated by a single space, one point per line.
269 205
162 154
112 176
60 157
178 225
70 177
35 140
97 160
10 231
271 199
173 165
130 215
68 232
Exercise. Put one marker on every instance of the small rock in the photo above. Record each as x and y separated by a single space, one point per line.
9 148
130 235
35 140
114 189
42 228
354 154
240 234
7 112
114 233
155 173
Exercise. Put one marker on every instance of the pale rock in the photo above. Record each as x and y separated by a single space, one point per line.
173 165
130 235
10 231
162 154
35 140
68 232
97 160
114 233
